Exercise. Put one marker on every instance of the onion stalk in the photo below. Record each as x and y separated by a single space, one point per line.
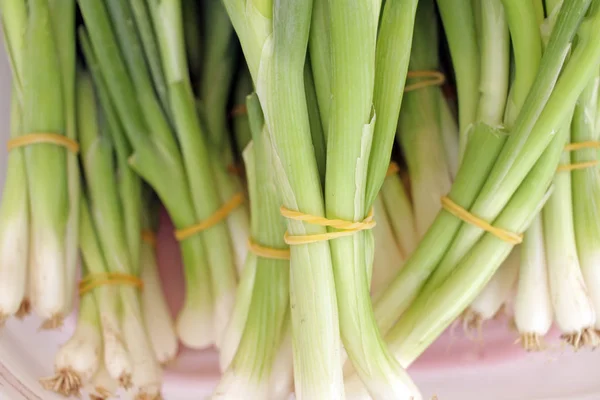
533 306
14 230
117 360
157 316
419 126
44 110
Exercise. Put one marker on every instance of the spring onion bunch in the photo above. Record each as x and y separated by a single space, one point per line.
108 194
486 143
169 148
39 209
515 210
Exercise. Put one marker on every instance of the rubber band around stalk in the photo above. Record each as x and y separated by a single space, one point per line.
149 237
93 281
268 252
43 138
590 144
466 216
436 78
347 228
218 216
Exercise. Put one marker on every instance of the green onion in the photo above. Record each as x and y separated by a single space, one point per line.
44 110
14 230
63 19
458 18
79 358
157 316
116 356
533 306
586 189
250 371
573 308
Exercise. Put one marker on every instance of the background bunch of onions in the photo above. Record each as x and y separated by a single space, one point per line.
335 206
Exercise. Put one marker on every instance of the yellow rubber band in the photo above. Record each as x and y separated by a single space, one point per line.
268 252
149 237
576 166
466 216
590 144
393 169
41 137
238 110
91 282
436 78
218 216
347 228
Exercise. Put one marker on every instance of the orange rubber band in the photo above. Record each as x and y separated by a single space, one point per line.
590 144
268 252
466 216
436 78
38 138
238 110
91 282
347 228
149 237
393 169
218 216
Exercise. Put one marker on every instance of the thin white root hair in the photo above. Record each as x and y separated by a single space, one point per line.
56 322
585 338
24 309
472 323
532 341
66 383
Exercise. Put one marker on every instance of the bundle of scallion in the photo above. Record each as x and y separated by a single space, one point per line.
512 201
39 210
270 40
143 62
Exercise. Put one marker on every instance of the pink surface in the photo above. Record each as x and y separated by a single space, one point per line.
453 349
